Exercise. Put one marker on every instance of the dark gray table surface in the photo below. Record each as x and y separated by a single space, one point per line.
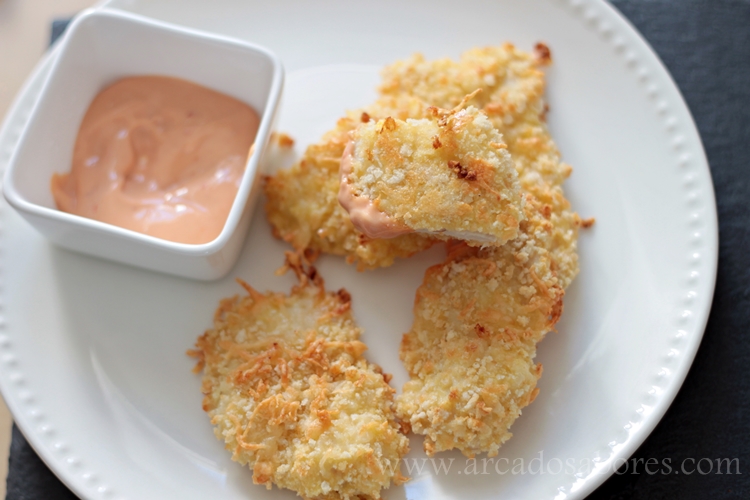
706 46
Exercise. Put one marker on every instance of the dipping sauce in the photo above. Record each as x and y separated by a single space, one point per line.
362 211
161 156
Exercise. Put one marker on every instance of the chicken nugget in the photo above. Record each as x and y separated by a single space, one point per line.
479 315
448 175
470 351
289 392
512 84
302 201
303 205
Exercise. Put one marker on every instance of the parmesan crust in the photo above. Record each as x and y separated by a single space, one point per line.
512 87
479 315
302 201
449 175
289 392
303 205
470 351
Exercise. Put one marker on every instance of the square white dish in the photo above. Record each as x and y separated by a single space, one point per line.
100 47
92 359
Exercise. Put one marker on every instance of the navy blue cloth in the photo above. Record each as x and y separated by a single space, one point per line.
58 28
706 46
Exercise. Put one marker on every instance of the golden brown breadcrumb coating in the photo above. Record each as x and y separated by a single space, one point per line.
512 90
302 201
448 175
479 315
291 395
477 320
303 205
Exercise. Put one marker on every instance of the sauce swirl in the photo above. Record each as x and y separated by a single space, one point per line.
161 156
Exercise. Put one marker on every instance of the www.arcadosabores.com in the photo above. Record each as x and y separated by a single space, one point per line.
414 467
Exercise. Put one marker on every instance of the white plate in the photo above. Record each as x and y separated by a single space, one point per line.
92 358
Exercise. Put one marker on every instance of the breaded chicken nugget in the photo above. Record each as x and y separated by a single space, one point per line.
302 201
470 352
290 394
479 315
564 224
512 84
303 205
448 175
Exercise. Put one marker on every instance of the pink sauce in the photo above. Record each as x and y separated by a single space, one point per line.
160 156
362 211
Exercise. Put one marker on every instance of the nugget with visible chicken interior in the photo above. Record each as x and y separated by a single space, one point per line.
470 351
302 201
479 315
512 96
289 392
448 175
